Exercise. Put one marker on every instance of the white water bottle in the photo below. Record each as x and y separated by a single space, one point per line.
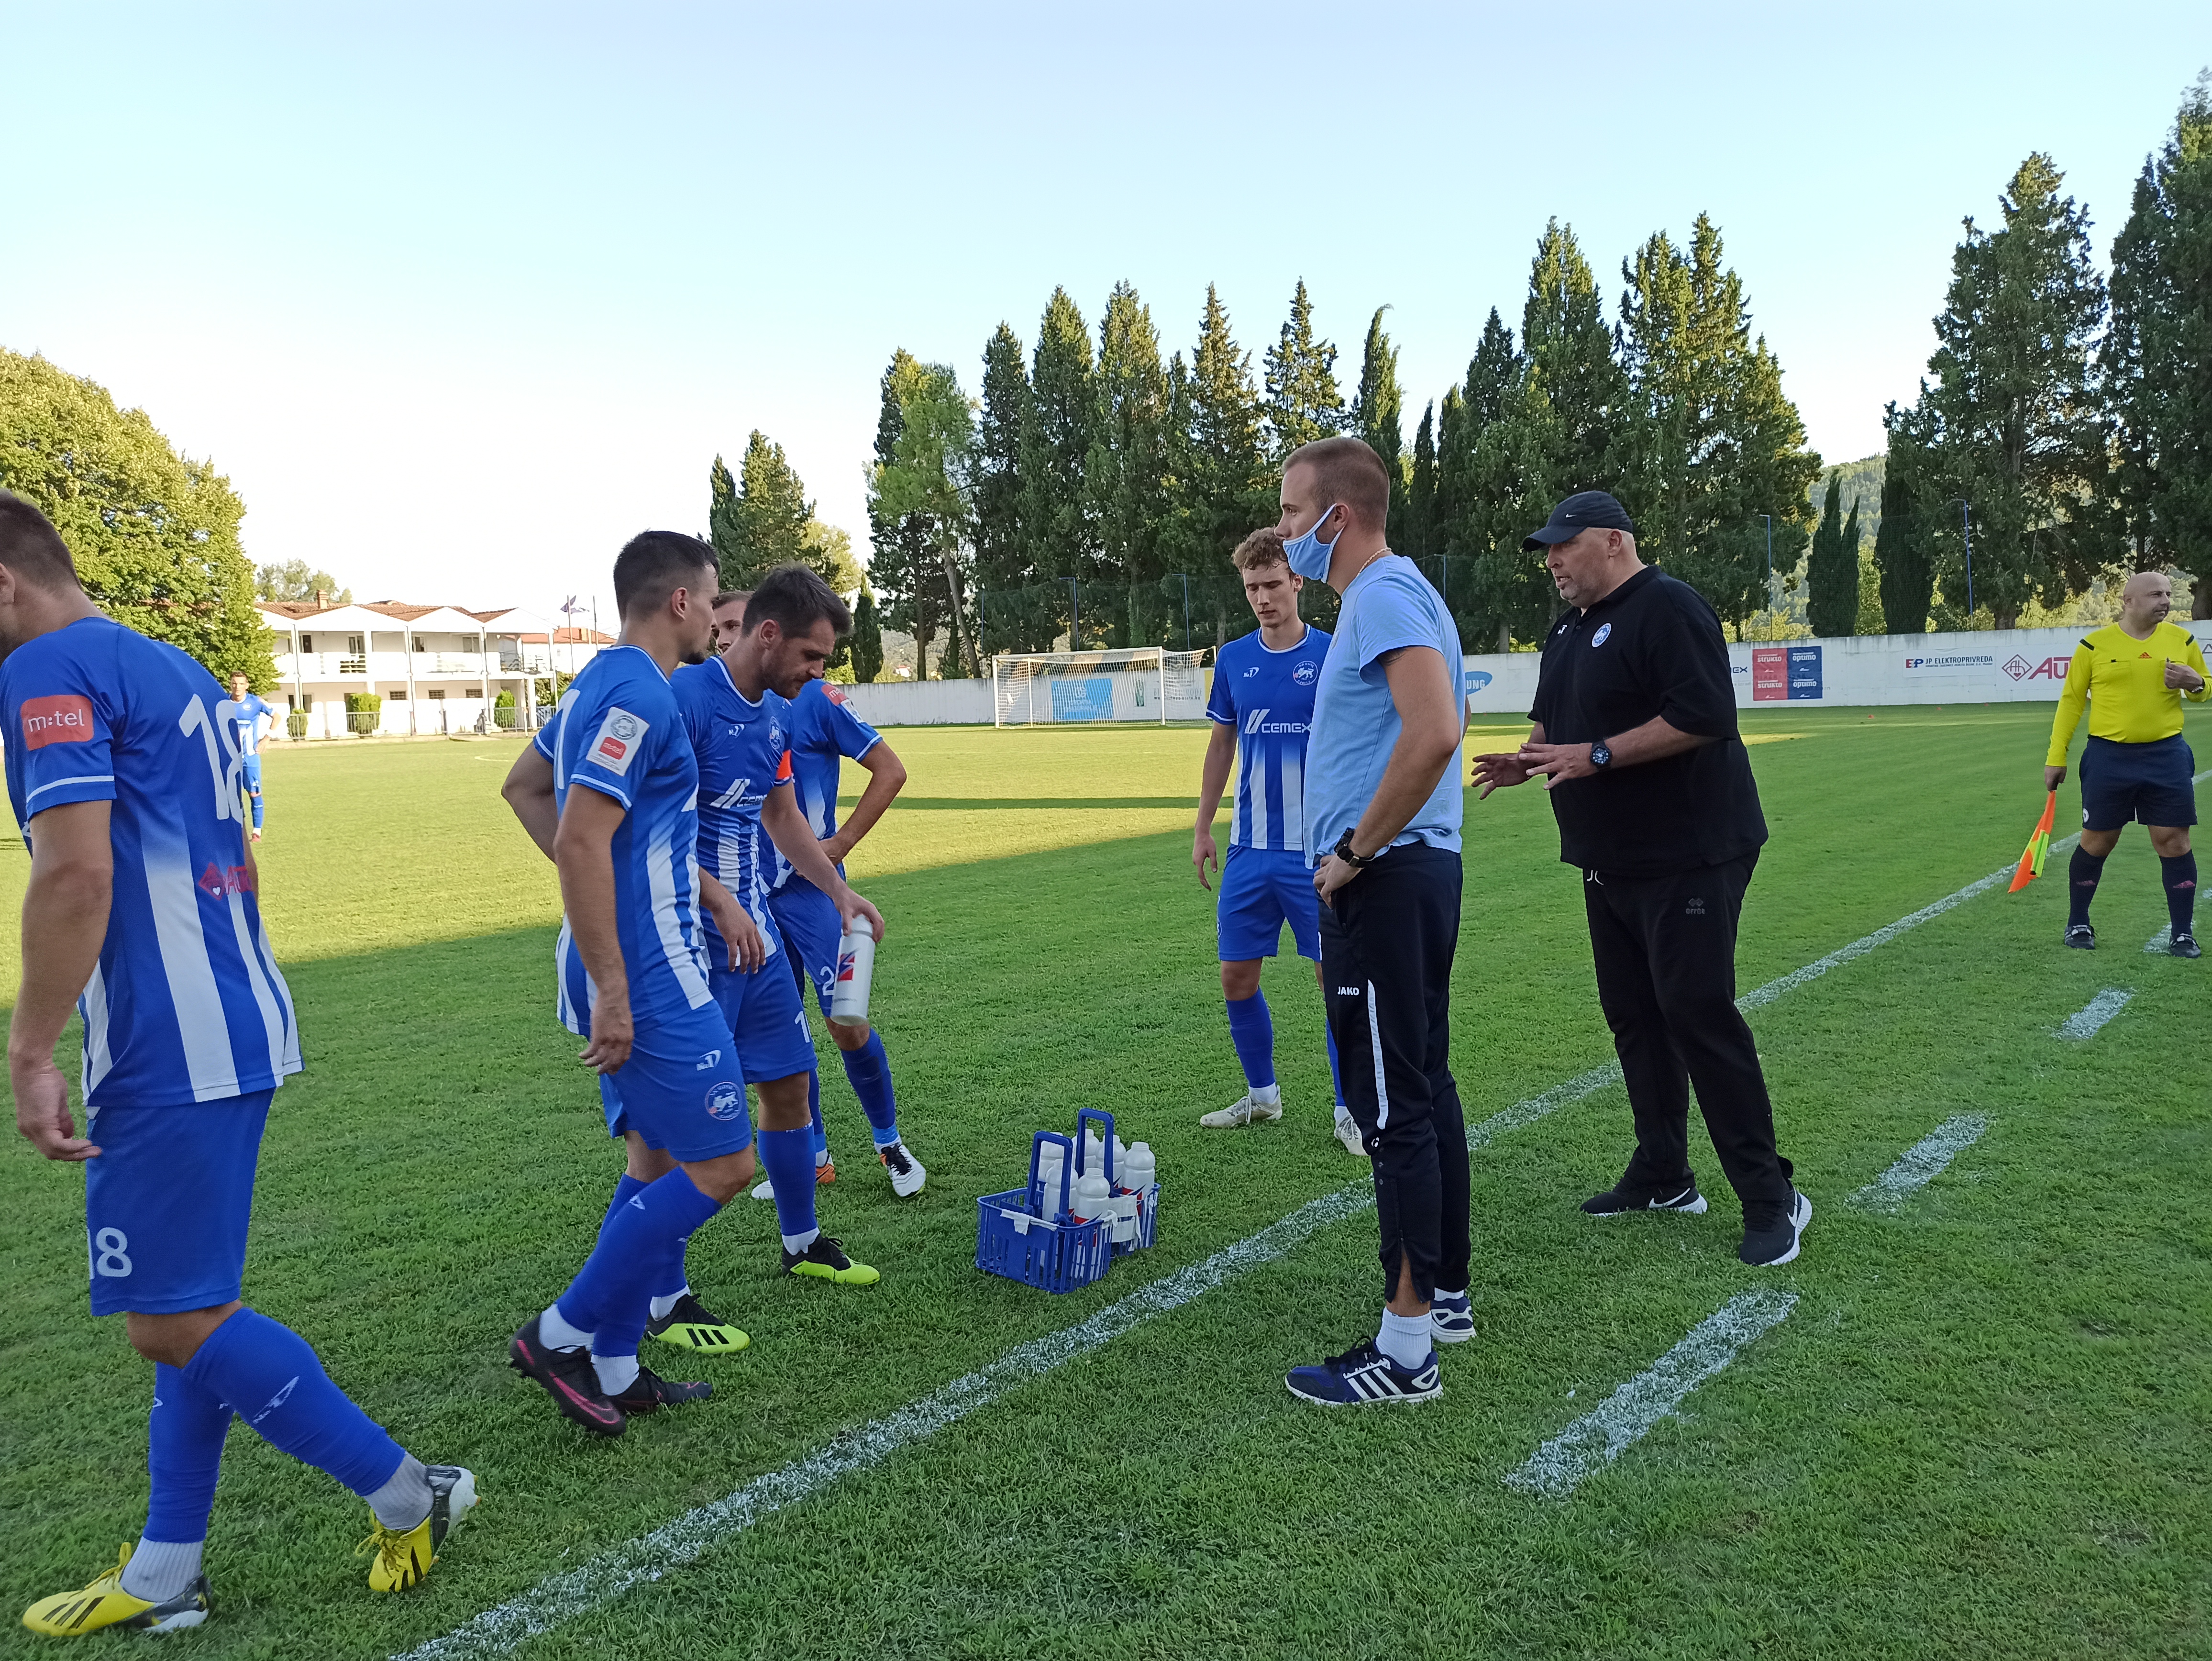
1090 1199
1050 1156
1138 1169
856 970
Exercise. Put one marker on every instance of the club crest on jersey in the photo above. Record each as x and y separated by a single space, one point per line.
1604 634
725 1101
1304 673
620 735
774 735
65 718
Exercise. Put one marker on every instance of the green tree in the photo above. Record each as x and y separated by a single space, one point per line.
1863 591
1905 543
1003 570
1832 574
1223 488
2158 355
154 533
925 484
299 582
1501 587
1059 516
2026 437
1378 416
867 637
764 524
901 568
1128 467
1421 538
829 550
1715 449
1303 403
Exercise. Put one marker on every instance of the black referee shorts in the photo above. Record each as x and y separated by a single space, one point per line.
1387 943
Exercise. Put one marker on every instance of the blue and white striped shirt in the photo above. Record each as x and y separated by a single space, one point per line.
743 751
187 1003
617 731
1268 696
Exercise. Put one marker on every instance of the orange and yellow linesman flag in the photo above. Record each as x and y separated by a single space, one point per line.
2039 848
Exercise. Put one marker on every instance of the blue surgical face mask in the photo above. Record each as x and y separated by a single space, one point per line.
1308 555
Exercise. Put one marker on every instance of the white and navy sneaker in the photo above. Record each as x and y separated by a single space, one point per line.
907 1173
1625 1195
1451 1318
1364 1374
1769 1242
1348 1131
1242 1111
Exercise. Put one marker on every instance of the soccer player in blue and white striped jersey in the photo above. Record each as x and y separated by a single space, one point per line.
142 912
1261 707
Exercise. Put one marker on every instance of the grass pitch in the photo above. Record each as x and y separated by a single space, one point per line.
1981 1430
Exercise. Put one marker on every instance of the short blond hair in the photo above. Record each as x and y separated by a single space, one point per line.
1261 548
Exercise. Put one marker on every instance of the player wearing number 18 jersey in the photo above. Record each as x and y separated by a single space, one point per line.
142 912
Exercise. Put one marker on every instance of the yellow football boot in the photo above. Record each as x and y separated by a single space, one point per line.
399 1558
104 1604
692 1326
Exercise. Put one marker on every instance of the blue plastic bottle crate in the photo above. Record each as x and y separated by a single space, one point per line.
1017 1239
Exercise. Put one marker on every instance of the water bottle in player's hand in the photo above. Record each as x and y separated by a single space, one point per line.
856 968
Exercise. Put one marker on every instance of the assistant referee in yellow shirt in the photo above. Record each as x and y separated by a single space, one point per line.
2133 675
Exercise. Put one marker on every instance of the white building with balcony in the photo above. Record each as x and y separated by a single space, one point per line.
435 668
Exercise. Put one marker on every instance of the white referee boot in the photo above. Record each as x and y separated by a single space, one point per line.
1253 1107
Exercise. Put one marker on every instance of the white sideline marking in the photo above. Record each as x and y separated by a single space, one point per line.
560 1597
2085 1021
2159 941
1922 1162
1624 1418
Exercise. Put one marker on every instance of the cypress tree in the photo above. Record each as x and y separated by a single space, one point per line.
1421 538
1903 556
1002 567
867 638
1223 486
1128 465
721 510
1378 416
1303 403
1832 574
901 568
1854 563
1059 519
765 525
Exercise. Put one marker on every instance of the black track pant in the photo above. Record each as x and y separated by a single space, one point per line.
1665 948
1386 956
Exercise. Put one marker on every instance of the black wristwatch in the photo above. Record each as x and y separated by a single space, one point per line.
1600 755
1343 851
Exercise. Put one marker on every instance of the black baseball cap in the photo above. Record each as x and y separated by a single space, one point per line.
1585 510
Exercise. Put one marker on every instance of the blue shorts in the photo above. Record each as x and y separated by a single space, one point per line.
765 1015
2122 782
812 931
1261 890
252 766
681 1090
166 1203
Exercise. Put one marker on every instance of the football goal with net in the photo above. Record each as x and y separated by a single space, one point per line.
1137 683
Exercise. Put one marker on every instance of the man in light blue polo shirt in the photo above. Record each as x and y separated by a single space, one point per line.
1382 808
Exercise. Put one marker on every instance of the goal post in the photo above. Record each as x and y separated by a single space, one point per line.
1147 683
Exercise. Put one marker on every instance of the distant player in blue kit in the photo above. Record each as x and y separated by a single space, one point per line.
826 730
609 790
743 723
253 720
142 912
1263 700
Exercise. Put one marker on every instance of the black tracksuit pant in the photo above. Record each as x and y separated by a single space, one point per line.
1665 950
1387 943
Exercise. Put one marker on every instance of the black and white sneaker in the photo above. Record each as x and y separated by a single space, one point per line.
2185 946
1771 1241
2080 937
1364 1374
1451 1318
1626 1195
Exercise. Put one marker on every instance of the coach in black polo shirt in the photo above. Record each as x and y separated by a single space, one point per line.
1636 740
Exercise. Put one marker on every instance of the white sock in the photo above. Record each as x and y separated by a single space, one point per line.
161 1569
1267 1095
800 1242
1405 1339
405 1499
662 1306
821 1158
617 1373
558 1334
1343 1114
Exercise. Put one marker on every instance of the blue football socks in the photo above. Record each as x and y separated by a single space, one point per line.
670 1283
640 1240
270 1376
1253 1031
869 1071
814 1115
184 1456
788 1159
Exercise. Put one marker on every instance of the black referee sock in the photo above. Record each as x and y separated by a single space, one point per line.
2081 877
2180 876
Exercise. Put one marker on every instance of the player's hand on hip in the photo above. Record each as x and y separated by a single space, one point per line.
1204 853
1558 762
834 849
2180 678
851 905
1331 874
613 1034
42 1111
2053 777
1497 771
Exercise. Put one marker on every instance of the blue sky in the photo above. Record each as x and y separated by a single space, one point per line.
461 297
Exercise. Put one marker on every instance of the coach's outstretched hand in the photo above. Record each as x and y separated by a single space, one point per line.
1498 771
42 1111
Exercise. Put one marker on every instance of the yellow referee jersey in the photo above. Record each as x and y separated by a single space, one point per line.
2122 680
